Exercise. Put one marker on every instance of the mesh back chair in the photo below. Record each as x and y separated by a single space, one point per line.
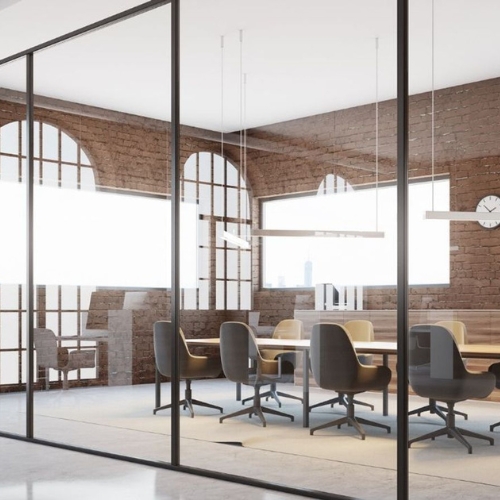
459 331
49 354
242 363
336 367
286 329
437 371
191 367
495 369
359 330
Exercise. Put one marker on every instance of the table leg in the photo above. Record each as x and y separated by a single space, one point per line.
157 389
305 390
385 392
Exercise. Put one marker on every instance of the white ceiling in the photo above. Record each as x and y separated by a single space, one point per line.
300 58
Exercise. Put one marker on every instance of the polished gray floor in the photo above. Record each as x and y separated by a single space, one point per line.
34 472
120 420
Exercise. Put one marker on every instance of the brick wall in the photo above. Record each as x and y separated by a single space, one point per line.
133 153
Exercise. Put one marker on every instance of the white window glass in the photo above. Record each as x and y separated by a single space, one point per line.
205 167
69 297
9 138
232 295
205 199
246 266
69 149
204 263
50 174
232 264
84 159
52 297
9 168
246 295
190 168
219 201
52 322
87 178
203 301
69 323
220 295
9 297
232 202
232 175
9 328
8 367
69 177
50 142
220 264
348 260
219 170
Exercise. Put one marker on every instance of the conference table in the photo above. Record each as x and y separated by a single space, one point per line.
385 349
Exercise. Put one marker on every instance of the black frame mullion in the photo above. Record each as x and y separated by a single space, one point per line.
402 259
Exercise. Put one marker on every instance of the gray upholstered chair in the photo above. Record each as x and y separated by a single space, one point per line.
191 367
495 369
437 371
50 354
335 366
285 329
459 331
242 363
360 330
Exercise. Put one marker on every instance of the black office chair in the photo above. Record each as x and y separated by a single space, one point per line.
285 329
360 330
242 363
459 331
191 367
336 367
437 371
495 369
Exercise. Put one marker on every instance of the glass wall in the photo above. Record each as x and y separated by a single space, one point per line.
302 120
288 166
13 358
102 235
454 135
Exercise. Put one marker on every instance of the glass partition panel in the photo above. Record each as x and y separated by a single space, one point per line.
102 233
454 137
13 356
289 151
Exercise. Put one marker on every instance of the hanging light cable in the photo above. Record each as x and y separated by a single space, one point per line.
437 214
236 239
376 134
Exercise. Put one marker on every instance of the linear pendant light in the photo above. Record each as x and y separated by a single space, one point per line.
437 214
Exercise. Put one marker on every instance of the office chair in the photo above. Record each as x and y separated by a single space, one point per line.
285 329
242 363
51 355
335 366
359 330
459 331
495 369
191 367
437 371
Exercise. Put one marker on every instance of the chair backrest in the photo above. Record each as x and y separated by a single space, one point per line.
46 347
457 328
162 347
334 361
434 358
360 330
289 329
238 351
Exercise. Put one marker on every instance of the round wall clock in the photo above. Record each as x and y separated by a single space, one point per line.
489 204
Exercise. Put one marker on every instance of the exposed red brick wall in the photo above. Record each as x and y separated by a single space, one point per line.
294 157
